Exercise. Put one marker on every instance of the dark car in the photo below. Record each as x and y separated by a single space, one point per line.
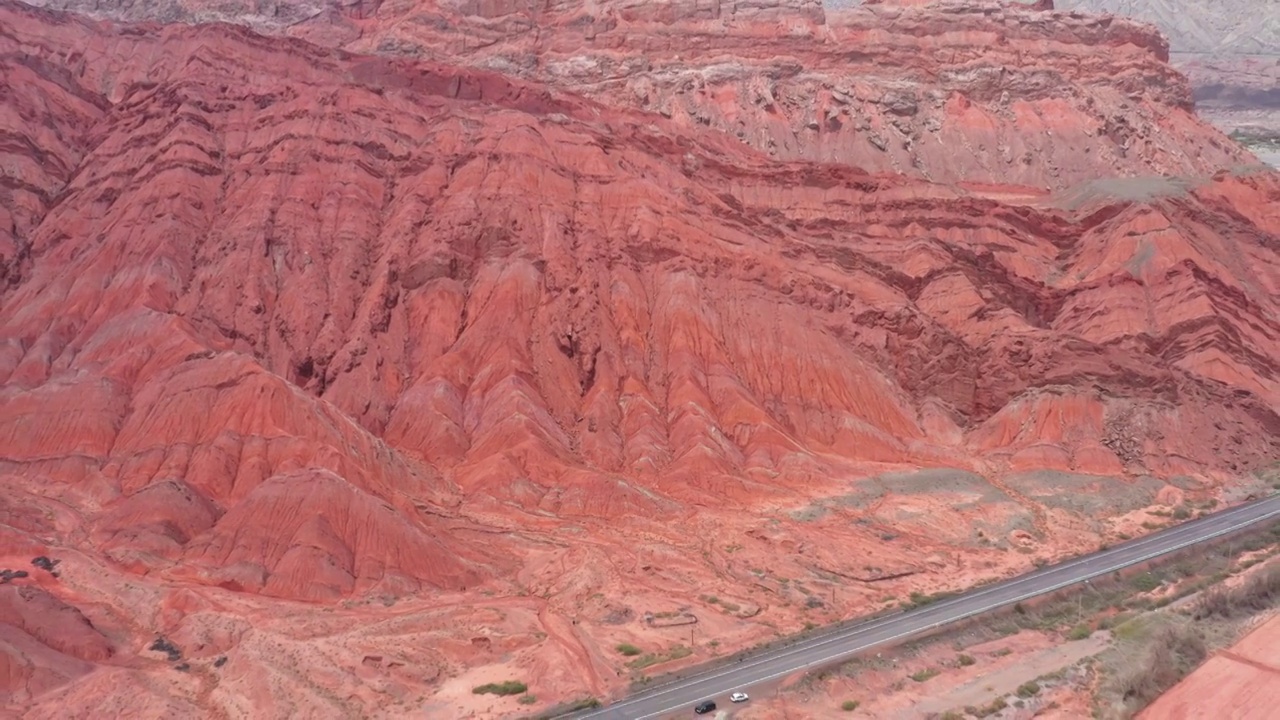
704 707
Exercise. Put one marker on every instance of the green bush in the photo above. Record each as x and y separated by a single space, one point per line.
527 700
1116 620
849 705
966 660
1174 652
1029 689
996 706
925 674
1079 632
565 708
1260 592
507 687
1146 582
627 649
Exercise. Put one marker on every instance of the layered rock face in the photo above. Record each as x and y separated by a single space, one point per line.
949 91
1229 49
285 323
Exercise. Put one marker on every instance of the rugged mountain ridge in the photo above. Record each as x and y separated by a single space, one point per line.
455 356
949 92
1230 52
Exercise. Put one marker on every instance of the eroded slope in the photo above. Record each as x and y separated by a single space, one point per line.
477 365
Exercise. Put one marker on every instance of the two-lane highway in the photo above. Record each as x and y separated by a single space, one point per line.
839 645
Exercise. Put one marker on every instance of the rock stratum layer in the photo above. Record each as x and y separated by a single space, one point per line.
363 380
1229 50
944 91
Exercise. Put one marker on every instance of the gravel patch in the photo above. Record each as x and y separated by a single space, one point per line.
1090 495
928 481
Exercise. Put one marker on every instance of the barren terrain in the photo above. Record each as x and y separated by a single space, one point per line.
1242 682
1229 50
1099 651
353 360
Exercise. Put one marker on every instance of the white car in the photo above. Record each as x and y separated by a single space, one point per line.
738 697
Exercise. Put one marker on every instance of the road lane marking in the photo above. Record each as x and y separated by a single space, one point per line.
987 608
850 633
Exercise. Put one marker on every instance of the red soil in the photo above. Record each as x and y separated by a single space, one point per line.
471 360
1241 682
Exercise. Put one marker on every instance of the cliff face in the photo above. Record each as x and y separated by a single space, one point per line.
283 321
1229 50
948 92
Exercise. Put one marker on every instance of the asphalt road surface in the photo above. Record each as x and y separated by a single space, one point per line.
679 696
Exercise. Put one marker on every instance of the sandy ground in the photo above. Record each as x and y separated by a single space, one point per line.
983 689
1239 683
884 686
743 580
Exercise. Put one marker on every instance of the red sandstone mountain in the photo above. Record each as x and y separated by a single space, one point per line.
483 367
1004 93
1229 49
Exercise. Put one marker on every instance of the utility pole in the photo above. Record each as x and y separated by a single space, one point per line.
1080 601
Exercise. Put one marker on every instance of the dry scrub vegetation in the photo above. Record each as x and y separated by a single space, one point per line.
1173 652
1157 649
1258 593
1164 621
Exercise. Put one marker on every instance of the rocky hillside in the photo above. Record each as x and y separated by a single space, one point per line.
1005 93
1205 27
1230 50
365 377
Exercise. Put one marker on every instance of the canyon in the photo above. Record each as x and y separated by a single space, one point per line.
356 355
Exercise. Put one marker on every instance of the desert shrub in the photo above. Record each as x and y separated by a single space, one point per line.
1174 652
1079 632
676 652
1146 582
1259 592
996 706
1114 620
506 687
527 699
166 647
1029 689
849 705
966 660
44 563
919 599
627 649
586 703
925 674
